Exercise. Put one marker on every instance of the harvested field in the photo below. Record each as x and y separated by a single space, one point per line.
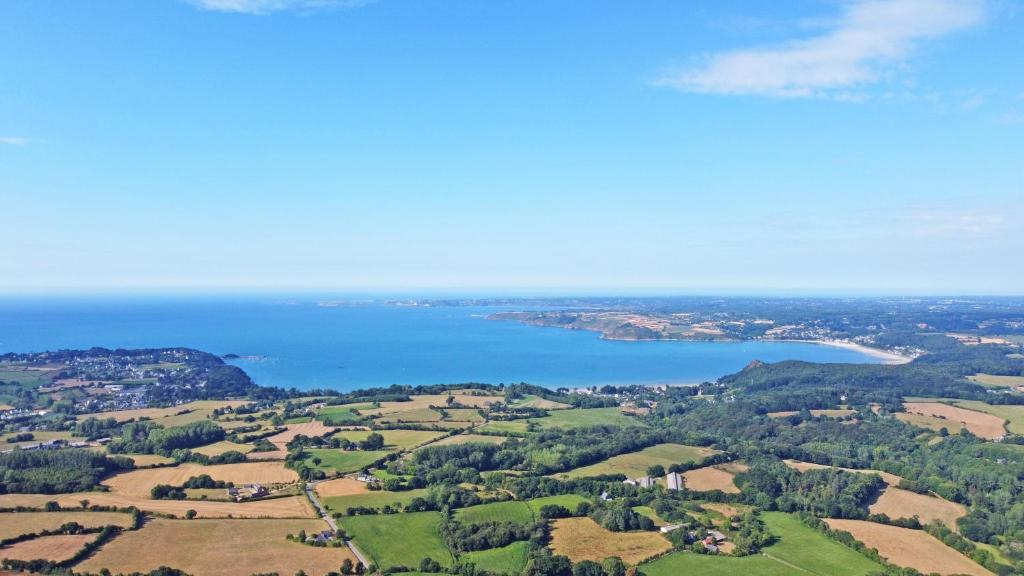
55 548
1014 414
139 483
17 523
144 460
538 402
929 422
218 548
198 410
636 464
713 478
993 381
394 439
980 424
341 487
218 448
309 429
428 400
464 415
584 539
909 548
415 415
897 503
290 507
727 510
890 479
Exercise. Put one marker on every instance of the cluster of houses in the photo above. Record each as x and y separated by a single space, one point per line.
674 481
247 492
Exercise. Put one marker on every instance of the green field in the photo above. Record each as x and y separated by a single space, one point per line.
799 551
635 464
394 439
415 415
812 550
510 559
464 414
580 418
339 415
992 381
569 501
510 427
532 401
398 539
26 378
375 499
333 460
511 511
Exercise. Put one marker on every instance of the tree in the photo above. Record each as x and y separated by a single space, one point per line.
374 441
614 566
190 514
656 471
346 566
587 568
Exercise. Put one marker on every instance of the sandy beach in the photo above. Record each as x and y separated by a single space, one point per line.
883 355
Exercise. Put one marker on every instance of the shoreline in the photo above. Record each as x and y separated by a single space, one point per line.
889 358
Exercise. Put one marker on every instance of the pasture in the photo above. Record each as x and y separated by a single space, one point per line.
144 460
469 439
993 381
583 417
584 539
340 415
635 464
979 423
394 439
55 548
811 550
417 415
217 548
428 400
508 427
372 499
531 401
568 501
398 539
679 563
909 548
17 523
343 461
509 559
514 511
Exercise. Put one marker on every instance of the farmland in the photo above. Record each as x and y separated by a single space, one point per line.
56 548
139 483
18 523
393 439
711 478
584 539
228 547
981 424
897 503
377 535
335 460
374 499
509 559
511 511
289 507
636 463
909 548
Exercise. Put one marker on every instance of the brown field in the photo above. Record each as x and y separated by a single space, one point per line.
218 548
993 381
17 523
897 503
272 455
830 413
727 510
200 409
143 460
428 400
138 483
584 539
909 548
56 548
890 479
980 424
713 478
218 448
290 507
341 487
310 429
929 422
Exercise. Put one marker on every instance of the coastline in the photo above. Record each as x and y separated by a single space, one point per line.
890 358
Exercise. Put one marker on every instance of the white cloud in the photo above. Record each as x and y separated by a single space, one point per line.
974 223
268 6
15 140
869 39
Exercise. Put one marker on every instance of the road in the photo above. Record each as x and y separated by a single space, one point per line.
311 494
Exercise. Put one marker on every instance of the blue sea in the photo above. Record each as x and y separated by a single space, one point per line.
296 342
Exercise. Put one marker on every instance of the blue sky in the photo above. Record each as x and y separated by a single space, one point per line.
807 146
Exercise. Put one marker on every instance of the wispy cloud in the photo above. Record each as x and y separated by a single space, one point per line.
269 6
974 223
15 140
868 41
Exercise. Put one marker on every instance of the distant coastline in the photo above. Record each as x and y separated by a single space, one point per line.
885 356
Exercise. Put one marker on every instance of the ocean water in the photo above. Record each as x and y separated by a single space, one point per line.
296 342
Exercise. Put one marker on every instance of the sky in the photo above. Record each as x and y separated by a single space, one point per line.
809 146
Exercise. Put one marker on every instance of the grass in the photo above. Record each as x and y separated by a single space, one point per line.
510 559
372 499
512 511
25 377
507 427
993 381
581 418
469 439
414 416
532 401
568 501
17 523
690 563
398 539
218 448
636 464
340 415
334 460
217 548
811 550
464 414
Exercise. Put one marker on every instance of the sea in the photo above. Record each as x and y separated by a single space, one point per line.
312 342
